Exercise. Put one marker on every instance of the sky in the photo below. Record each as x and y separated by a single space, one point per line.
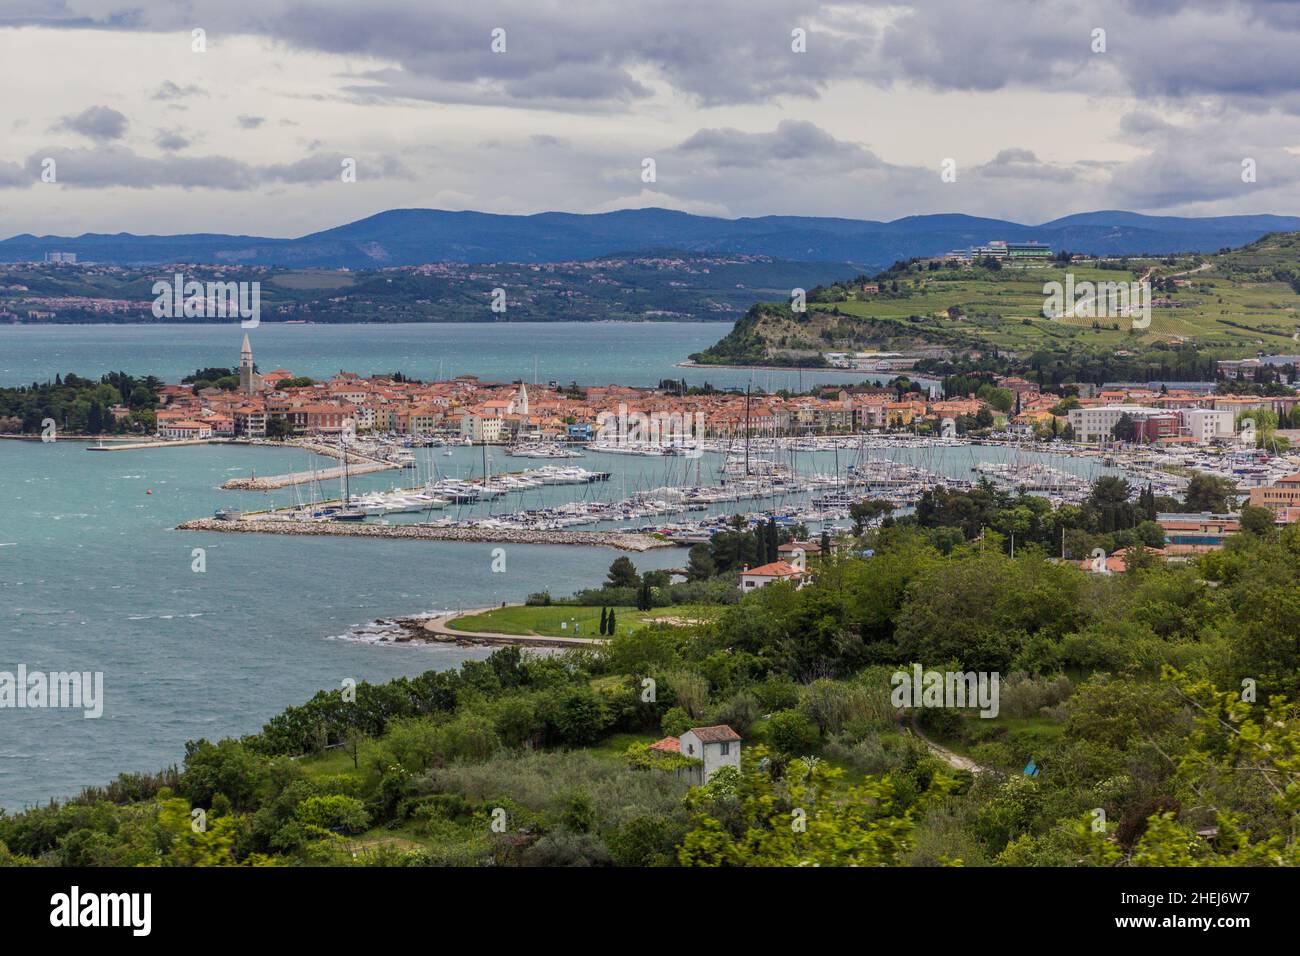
247 116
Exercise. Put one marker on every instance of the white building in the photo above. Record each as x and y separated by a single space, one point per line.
186 429
751 579
1093 423
1207 424
717 746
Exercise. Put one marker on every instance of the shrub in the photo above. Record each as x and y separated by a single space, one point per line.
675 722
792 733
333 812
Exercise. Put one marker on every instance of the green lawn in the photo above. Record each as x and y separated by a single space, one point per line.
566 621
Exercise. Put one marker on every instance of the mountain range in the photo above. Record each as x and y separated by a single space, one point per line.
400 237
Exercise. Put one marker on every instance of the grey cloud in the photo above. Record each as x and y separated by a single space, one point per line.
587 55
118 166
96 122
171 140
13 175
792 140
171 91
250 122
1023 164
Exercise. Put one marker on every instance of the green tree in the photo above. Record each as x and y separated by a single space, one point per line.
622 574
699 563
1209 493
1258 521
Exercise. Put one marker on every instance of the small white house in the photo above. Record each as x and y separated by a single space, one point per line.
717 746
763 575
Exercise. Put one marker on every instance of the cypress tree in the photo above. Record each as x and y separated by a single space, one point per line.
604 618
612 622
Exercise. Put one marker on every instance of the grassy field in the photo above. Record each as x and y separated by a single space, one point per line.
566 621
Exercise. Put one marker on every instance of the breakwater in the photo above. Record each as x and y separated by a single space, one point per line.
415 532
271 482
159 443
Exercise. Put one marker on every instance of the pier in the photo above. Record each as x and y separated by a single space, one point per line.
419 532
160 443
271 482
356 465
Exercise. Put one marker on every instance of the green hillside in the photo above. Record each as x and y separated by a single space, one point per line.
1235 303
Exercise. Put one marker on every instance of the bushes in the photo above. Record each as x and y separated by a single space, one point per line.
834 705
1024 696
777 692
544 784
676 722
416 743
739 712
575 716
792 733
688 690
645 840
335 813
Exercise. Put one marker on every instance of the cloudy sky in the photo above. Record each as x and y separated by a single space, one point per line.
250 134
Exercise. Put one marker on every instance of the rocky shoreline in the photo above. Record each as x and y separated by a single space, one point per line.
606 539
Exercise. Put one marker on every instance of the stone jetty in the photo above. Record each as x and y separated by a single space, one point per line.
160 443
357 465
271 482
419 532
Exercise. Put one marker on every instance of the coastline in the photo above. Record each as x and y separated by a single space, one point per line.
814 370
436 630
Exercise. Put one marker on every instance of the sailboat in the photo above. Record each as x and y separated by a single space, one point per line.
347 512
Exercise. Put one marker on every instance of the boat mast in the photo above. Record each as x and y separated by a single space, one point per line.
746 431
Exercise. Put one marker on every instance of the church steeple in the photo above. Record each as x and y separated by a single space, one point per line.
249 381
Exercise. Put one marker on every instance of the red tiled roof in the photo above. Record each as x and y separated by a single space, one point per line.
667 745
777 569
717 734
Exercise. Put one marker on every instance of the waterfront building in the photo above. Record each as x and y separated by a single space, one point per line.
186 429
1208 424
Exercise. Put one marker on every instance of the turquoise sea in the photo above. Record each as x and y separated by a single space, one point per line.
92 578
590 353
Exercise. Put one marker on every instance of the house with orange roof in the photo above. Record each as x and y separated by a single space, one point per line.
715 747
751 579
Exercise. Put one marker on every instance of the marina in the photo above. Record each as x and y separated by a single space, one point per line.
811 481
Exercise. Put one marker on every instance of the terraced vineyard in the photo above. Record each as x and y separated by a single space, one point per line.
1236 302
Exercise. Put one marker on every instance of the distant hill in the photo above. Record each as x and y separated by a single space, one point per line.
414 236
1232 303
